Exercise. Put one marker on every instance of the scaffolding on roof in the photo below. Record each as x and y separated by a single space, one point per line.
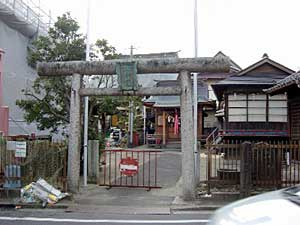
26 17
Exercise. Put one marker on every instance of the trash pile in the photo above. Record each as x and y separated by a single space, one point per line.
41 191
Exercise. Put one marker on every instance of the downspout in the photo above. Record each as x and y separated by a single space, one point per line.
4 111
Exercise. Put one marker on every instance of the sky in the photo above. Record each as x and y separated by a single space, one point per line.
242 29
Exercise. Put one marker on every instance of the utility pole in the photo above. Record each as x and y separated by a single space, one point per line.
130 126
197 158
86 101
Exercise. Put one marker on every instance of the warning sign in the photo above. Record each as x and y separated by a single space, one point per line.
129 166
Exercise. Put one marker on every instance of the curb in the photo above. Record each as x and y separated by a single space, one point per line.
32 206
121 210
196 208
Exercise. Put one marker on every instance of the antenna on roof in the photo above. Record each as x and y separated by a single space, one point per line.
265 55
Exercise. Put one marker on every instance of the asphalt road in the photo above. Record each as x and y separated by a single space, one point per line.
50 217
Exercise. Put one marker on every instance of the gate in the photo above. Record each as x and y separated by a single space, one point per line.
129 168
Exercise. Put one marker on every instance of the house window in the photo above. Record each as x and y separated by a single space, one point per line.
237 108
253 108
278 108
257 104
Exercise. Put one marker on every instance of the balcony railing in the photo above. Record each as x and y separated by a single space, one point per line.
27 12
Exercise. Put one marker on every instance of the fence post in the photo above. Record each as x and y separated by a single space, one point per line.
93 160
246 171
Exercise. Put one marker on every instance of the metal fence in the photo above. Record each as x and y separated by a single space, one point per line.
129 168
272 165
40 159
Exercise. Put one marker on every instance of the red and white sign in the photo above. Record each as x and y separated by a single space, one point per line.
129 166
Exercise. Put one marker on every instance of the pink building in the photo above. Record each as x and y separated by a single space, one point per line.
3 109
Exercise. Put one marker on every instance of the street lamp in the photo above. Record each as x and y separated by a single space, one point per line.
86 101
196 156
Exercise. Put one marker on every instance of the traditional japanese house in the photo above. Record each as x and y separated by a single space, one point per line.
166 112
163 110
246 111
210 121
290 86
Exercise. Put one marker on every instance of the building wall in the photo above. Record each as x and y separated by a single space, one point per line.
17 75
294 114
211 94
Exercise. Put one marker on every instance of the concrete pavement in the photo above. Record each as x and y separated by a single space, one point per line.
162 201
135 200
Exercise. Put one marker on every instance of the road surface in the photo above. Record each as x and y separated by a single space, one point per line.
59 217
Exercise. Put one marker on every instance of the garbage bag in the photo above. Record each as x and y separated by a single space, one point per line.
41 191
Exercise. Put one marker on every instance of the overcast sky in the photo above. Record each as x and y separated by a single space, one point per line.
242 29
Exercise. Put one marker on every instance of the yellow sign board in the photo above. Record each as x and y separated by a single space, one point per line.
114 120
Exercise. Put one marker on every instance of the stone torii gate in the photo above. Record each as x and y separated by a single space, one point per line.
182 66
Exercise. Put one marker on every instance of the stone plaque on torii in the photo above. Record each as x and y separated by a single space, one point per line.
182 66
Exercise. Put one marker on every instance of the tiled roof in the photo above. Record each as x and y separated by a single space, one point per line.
258 78
290 80
169 101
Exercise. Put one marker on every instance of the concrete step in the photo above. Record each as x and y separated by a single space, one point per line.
173 145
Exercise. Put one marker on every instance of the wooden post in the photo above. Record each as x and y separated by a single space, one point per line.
187 137
246 171
164 128
74 136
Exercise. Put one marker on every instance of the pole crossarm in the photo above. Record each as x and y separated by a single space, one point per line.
163 65
153 91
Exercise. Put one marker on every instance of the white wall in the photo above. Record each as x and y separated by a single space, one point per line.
17 75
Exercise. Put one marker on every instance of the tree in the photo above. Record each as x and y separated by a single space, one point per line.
107 50
47 101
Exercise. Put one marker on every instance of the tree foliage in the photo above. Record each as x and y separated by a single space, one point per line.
47 101
108 51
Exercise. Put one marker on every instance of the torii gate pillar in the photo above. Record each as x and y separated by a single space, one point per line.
74 135
187 137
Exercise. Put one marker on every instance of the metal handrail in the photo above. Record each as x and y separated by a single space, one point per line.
212 136
27 12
